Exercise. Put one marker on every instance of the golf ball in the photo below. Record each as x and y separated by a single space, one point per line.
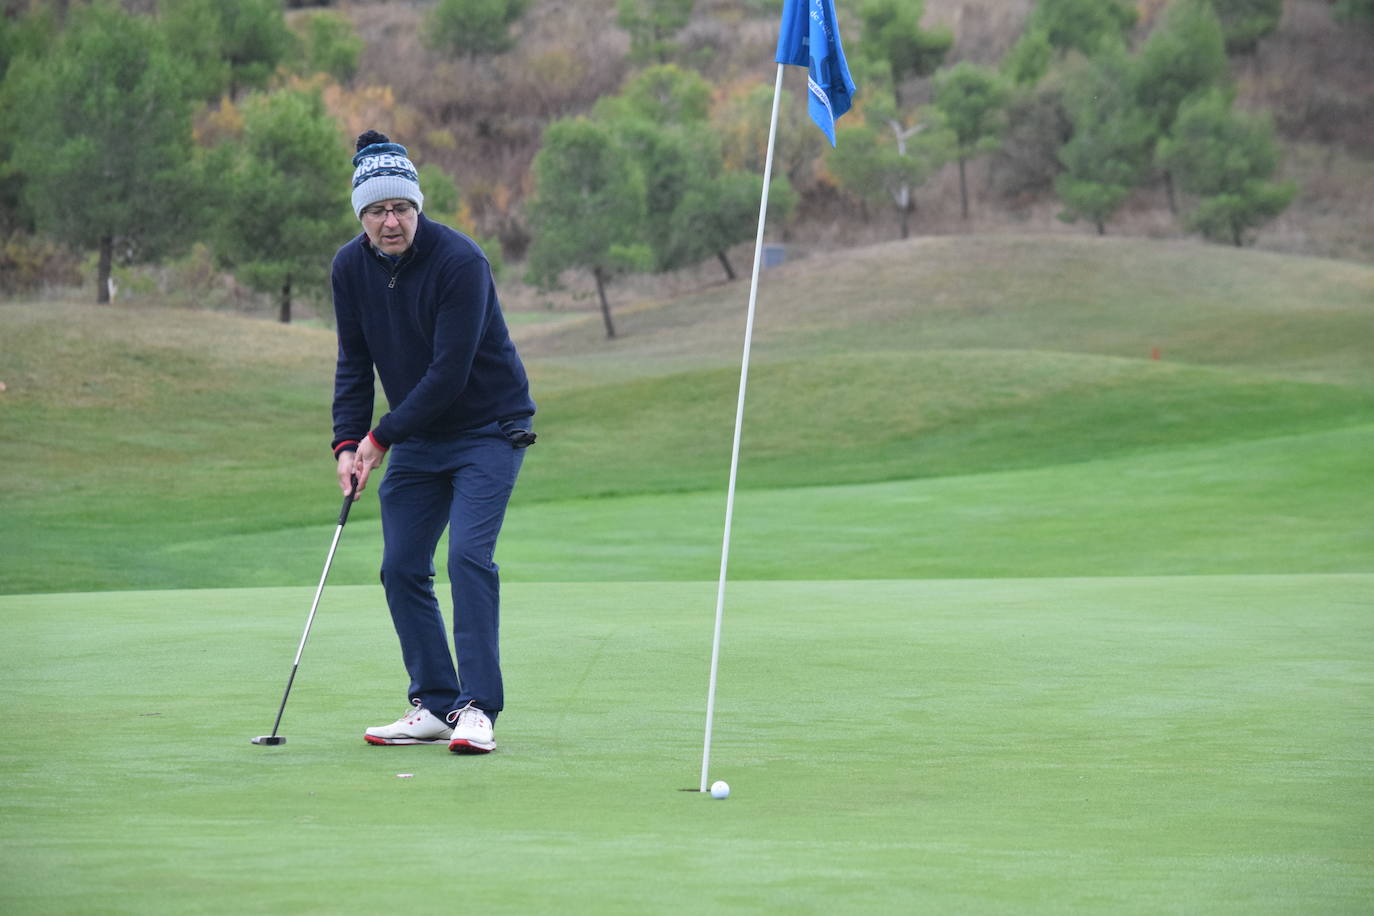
720 789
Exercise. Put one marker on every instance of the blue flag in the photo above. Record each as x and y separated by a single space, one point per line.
810 38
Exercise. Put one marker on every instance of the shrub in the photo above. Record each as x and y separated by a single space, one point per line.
28 264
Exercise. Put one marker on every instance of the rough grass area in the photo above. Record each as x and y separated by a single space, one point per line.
1195 304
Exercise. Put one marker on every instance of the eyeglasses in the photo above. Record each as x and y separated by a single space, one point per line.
379 213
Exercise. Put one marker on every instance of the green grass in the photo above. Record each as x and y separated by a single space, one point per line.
888 415
176 449
1288 504
1000 746
1019 618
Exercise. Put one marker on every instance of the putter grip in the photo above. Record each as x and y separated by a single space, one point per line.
348 502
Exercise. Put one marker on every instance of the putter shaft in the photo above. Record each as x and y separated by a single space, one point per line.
274 738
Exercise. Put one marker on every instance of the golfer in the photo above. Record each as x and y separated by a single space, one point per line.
414 300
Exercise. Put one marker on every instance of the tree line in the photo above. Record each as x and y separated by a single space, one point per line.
1119 119
134 134
1110 119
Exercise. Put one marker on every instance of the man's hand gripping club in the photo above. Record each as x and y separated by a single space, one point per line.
359 464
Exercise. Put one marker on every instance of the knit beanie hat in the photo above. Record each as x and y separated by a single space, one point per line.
383 172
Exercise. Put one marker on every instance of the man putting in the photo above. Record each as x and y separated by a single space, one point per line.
415 299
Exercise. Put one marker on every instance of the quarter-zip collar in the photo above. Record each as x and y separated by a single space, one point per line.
392 265
419 245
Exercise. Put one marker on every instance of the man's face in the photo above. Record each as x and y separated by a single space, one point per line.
390 225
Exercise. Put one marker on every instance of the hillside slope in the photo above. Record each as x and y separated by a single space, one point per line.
942 356
1198 304
146 431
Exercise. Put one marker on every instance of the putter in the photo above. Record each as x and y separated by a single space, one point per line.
274 738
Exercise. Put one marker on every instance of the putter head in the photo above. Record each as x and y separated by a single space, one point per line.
269 739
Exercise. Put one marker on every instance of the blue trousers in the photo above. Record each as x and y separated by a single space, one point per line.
463 484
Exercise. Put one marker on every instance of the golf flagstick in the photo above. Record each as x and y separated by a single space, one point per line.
274 738
739 424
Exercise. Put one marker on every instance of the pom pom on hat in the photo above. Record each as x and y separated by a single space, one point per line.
369 137
383 171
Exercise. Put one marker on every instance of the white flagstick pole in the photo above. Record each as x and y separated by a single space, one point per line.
739 424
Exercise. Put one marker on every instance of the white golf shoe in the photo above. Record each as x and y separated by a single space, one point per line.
419 726
472 733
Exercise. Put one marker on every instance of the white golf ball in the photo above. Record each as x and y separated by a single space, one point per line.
720 789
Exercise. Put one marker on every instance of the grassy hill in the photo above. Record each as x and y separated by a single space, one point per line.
181 449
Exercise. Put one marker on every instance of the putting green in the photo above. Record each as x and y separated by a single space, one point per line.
1131 745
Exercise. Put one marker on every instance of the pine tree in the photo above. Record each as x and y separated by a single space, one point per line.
1183 57
233 47
892 38
652 25
472 27
285 204
1245 22
972 99
1112 139
1056 27
588 208
101 134
1227 161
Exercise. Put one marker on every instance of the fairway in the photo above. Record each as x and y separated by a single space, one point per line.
1125 745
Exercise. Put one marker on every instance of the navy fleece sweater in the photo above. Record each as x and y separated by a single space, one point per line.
432 326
